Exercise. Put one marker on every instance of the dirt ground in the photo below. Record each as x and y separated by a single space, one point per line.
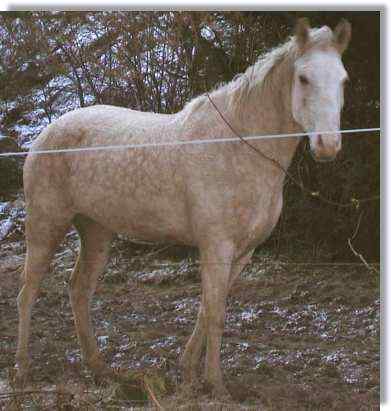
297 337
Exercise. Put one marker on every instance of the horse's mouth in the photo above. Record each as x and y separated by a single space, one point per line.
324 159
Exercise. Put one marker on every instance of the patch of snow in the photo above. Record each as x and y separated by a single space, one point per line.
5 228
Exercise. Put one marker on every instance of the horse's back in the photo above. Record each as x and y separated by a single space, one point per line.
97 125
94 126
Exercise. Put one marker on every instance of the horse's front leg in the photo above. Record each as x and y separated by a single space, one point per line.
190 360
216 265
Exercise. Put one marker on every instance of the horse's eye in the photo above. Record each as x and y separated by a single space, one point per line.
304 80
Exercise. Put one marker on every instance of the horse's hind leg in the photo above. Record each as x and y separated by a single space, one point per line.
42 239
94 251
190 360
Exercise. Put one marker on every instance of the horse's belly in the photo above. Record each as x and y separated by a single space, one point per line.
140 221
144 213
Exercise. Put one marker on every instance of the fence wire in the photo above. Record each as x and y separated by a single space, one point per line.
182 142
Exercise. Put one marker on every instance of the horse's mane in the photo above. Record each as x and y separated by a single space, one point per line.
260 74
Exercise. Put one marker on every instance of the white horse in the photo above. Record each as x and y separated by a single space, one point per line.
223 198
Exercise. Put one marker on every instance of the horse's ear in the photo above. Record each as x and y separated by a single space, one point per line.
302 31
342 35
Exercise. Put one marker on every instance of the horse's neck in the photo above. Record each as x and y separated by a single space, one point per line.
266 112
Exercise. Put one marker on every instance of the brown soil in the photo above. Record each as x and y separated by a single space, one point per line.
297 337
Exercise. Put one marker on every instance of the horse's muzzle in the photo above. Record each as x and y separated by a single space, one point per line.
325 148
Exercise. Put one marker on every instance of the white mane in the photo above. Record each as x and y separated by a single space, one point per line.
255 76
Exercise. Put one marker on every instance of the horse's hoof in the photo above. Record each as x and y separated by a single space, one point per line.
189 376
21 378
219 392
22 368
100 369
190 371
103 377
190 389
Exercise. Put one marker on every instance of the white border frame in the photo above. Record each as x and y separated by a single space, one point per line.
275 5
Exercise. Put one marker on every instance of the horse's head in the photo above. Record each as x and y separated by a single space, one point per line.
318 85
